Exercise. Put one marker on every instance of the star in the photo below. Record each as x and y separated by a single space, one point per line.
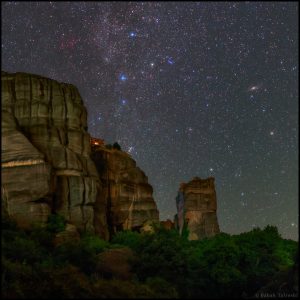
132 34
130 149
123 77
170 61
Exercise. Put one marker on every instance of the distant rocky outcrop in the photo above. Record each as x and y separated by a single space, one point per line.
46 164
168 224
196 208
125 188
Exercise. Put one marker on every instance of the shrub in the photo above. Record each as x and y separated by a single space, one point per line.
116 146
94 243
42 236
128 238
56 223
82 254
161 288
23 249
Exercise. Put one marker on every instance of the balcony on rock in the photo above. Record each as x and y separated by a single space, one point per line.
97 142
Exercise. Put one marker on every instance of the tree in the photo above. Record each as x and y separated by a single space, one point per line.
116 146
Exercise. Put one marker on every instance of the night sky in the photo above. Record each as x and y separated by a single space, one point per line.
188 88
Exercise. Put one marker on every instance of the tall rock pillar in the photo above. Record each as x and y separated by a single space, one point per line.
197 208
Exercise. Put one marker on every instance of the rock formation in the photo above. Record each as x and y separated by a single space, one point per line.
46 165
196 208
126 189
168 224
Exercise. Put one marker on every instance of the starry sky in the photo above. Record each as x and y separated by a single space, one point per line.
187 88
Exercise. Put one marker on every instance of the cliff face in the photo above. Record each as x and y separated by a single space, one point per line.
46 165
126 189
196 206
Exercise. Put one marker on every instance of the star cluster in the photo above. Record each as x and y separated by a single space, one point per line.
187 88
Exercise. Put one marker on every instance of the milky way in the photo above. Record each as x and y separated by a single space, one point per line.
189 89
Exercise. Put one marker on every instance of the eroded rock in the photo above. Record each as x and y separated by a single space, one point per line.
196 208
46 165
126 189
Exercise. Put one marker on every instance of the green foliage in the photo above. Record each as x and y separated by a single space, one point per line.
165 265
213 267
56 223
78 254
42 236
128 238
162 253
161 288
185 231
23 249
287 251
82 254
94 243
119 289
114 146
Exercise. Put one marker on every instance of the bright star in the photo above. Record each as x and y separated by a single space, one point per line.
132 34
272 132
124 101
211 169
123 77
171 61
130 149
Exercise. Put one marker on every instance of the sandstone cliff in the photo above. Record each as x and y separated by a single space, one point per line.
126 189
46 165
196 207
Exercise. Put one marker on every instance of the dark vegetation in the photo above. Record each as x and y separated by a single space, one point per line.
165 265
114 146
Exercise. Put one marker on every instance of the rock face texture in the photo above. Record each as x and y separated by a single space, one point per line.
46 164
126 190
196 208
